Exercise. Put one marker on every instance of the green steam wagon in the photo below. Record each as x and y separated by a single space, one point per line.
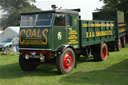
59 37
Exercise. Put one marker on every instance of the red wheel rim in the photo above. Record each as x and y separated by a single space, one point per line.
119 44
68 60
124 41
104 52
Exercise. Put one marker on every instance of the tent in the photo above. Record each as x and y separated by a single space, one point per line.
9 33
1 31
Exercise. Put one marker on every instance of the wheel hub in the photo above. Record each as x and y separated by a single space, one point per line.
104 52
124 41
68 60
119 44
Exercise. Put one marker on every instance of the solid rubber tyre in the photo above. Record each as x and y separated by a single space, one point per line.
123 42
101 52
25 64
112 46
65 62
118 45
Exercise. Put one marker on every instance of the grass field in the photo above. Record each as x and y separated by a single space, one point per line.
113 71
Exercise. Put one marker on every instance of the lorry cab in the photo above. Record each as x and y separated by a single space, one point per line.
48 30
49 35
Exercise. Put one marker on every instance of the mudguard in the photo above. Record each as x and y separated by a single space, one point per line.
63 47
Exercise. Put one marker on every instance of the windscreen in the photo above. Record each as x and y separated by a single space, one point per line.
44 19
36 20
28 20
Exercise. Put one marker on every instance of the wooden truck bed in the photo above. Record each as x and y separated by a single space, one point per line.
95 32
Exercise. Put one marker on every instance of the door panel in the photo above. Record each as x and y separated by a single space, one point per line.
59 31
73 30
59 36
66 34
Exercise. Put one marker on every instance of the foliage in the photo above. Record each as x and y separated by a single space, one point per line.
116 5
12 10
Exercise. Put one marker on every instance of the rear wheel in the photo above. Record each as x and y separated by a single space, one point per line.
25 64
101 52
118 45
112 46
123 42
66 61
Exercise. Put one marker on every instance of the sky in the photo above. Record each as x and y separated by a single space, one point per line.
86 6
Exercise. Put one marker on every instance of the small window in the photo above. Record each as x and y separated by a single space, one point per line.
60 20
69 20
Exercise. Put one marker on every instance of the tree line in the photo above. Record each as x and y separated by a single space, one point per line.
121 5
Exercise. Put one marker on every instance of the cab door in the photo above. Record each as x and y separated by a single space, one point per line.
59 31
72 30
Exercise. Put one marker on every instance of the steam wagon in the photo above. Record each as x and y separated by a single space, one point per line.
59 37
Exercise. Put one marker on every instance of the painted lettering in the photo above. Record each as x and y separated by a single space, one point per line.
33 33
38 34
45 36
98 33
32 36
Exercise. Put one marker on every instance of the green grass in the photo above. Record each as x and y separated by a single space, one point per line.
113 71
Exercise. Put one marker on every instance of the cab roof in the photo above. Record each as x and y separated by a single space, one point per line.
63 11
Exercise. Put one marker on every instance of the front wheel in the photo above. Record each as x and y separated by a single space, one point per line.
25 64
66 61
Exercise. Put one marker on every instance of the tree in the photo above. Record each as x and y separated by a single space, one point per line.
13 8
115 5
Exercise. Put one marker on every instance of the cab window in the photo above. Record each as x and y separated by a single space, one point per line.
69 20
59 20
